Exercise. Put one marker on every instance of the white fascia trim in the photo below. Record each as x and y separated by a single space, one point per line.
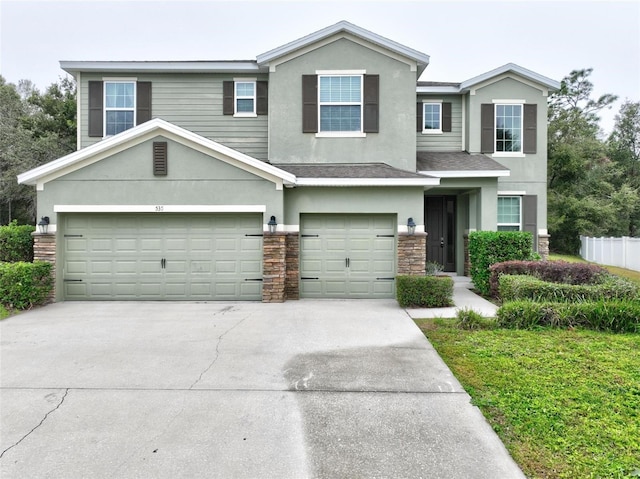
345 27
160 209
467 173
498 73
74 67
368 182
437 89
511 193
141 133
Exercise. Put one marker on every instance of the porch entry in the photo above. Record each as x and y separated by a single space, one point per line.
440 224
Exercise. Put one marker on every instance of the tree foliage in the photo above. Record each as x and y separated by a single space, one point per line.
35 128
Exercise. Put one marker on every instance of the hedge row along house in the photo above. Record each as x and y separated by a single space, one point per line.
300 174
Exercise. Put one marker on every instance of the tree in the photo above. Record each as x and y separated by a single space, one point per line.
35 128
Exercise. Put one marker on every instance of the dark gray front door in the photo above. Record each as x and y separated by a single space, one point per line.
440 214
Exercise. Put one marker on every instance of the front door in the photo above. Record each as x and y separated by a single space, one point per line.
440 223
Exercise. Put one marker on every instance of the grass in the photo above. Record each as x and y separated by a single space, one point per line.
625 273
565 403
3 312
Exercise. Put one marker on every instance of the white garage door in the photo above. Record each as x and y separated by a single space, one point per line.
162 257
347 256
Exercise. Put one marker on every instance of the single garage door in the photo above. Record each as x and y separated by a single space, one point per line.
347 256
162 257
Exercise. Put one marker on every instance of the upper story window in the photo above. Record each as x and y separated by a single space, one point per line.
245 97
120 107
508 128
509 217
432 118
340 100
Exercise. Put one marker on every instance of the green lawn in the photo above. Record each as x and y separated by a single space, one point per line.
565 403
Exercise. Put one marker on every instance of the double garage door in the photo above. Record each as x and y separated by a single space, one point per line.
347 256
162 257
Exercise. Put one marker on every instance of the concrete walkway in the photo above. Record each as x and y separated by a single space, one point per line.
463 298
304 389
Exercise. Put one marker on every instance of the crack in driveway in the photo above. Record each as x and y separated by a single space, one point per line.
66 391
217 355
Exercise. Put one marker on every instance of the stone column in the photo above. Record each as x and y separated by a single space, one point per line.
273 268
44 249
292 261
543 246
412 254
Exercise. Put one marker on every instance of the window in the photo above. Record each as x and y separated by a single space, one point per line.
120 107
508 128
245 98
432 118
509 218
340 101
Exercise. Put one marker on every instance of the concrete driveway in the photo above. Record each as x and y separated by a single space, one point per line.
234 390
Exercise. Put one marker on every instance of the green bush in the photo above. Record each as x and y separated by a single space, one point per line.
516 287
612 316
23 284
489 247
16 242
472 320
424 291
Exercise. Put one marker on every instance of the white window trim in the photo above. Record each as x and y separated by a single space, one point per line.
508 154
236 97
104 101
342 134
519 224
431 102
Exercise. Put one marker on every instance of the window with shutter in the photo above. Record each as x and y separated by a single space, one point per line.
116 106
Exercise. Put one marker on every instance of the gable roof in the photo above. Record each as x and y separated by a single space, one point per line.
152 128
421 59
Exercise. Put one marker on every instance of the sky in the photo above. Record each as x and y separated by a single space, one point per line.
464 39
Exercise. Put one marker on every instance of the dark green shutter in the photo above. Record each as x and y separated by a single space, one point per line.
487 127
143 102
370 113
530 217
262 98
160 158
96 114
419 117
227 98
446 117
309 103
530 123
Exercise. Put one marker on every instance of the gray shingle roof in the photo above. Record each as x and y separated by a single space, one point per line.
346 170
456 161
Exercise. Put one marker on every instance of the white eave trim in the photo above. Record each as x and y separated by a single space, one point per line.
159 209
467 173
144 132
367 181
511 67
438 89
74 67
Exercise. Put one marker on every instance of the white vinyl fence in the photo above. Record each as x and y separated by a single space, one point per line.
623 252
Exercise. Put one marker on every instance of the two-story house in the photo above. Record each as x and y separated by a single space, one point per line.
323 168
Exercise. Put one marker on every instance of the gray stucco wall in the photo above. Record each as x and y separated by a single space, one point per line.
126 178
395 144
446 141
194 102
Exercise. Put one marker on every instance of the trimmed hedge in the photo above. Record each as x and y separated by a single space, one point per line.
424 291
553 271
610 316
16 242
517 287
23 284
490 247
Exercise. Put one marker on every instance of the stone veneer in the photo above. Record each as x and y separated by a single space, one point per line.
44 249
543 246
412 254
273 268
292 261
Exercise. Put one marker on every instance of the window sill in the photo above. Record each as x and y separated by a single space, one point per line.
245 115
432 132
341 134
508 155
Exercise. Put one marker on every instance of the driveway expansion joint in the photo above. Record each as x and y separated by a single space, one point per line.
66 391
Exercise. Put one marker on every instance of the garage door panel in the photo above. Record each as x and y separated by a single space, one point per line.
332 266
126 245
125 267
251 267
76 244
383 288
76 267
101 267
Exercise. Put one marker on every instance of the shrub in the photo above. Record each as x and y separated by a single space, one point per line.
472 320
23 284
553 271
489 247
432 268
516 287
16 242
424 291
611 316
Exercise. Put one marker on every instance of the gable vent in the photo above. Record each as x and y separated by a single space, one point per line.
160 158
